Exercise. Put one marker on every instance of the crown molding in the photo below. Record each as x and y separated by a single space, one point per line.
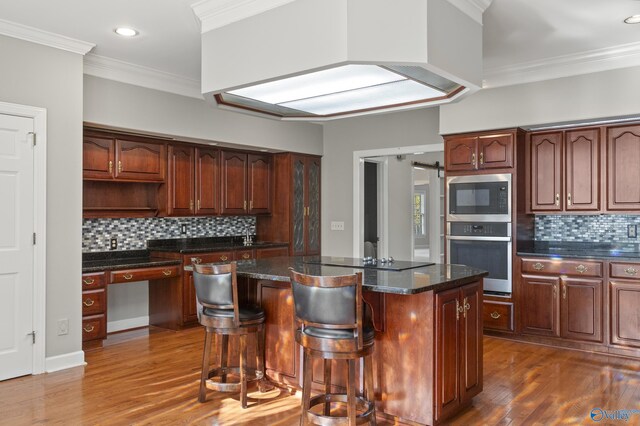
621 56
472 8
125 72
218 13
35 35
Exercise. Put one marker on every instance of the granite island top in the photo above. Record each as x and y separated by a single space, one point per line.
411 281
204 245
122 259
580 250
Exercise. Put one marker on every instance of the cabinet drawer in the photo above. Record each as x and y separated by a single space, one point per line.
93 280
94 327
562 267
94 302
625 270
217 257
143 274
245 254
272 252
498 315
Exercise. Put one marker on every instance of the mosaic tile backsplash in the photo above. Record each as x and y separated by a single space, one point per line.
133 233
591 228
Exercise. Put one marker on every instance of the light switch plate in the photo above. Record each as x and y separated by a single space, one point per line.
337 226
632 231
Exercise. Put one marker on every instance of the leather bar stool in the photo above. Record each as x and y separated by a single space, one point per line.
220 314
330 312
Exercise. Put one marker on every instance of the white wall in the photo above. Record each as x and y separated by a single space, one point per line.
41 76
590 96
341 139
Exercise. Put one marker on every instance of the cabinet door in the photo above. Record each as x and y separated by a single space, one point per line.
189 305
234 182
546 172
207 180
582 170
495 151
180 183
471 342
540 307
625 315
623 168
298 207
581 309
461 153
260 181
140 161
447 398
98 158
313 207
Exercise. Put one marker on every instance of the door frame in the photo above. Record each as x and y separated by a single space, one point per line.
358 191
39 117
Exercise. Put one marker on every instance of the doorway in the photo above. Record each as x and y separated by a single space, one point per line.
373 213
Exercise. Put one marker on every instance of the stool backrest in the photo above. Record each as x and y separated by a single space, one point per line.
331 302
217 287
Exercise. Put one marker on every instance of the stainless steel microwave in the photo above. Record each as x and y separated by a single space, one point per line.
481 198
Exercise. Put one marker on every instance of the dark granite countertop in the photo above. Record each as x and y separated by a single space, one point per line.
203 245
123 259
580 250
410 281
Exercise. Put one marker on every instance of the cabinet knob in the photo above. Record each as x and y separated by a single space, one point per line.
167 272
119 166
564 291
223 258
581 269
88 281
481 158
246 256
557 199
110 166
127 276
196 260
473 159
538 266
88 328
569 199
495 315
88 302
631 271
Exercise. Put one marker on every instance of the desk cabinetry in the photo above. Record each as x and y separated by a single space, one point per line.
94 304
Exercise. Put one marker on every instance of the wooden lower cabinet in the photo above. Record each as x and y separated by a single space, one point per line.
94 307
581 309
540 310
625 313
498 315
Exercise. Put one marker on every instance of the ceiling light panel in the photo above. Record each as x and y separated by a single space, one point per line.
320 83
635 19
126 32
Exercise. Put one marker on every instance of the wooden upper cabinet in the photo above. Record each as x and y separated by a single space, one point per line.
582 170
260 183
623 168
461 153
495 151
234 182
140 161
207 181
181 181
313 168
545 150
479 152
98 157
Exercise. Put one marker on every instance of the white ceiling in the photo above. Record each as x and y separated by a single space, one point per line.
524 40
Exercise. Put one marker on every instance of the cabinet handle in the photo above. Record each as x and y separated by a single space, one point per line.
245 204
495 315
196 260
538 266
246 255
481 158
110 166
88 302
467 306
251 205
459 309
473 159
88 281
198 204
223 258
167 272
127 276
190 204
631 271
119 166
581 269
557 199
564 291
555 291
569 199
88 328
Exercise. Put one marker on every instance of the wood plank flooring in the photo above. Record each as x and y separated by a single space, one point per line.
151 377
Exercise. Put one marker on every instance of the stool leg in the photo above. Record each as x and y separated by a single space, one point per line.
327 385
204 375
224 350
351 392
260 352
243 370
306 387
368 380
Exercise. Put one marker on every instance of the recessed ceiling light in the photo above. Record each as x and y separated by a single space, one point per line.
126 32
635 19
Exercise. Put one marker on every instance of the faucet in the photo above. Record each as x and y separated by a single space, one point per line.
248 238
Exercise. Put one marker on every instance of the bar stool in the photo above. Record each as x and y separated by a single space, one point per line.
330 311
220 314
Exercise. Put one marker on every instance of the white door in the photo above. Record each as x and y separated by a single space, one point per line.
16 246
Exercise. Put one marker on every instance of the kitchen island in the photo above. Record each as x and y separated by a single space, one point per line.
428 320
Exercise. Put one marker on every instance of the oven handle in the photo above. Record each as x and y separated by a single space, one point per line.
464 238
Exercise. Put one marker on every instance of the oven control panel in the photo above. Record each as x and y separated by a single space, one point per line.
479 229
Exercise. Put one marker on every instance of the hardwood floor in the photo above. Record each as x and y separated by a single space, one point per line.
144 377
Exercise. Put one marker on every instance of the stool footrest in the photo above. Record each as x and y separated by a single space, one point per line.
366 406
218 385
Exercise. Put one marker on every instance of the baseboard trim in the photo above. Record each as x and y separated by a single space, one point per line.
64 361
125 324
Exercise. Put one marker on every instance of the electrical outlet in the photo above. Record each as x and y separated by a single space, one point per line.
63 327
183 228
632 231
113 244
337 226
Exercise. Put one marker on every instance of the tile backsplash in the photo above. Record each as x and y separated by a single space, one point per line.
586 228
133 233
